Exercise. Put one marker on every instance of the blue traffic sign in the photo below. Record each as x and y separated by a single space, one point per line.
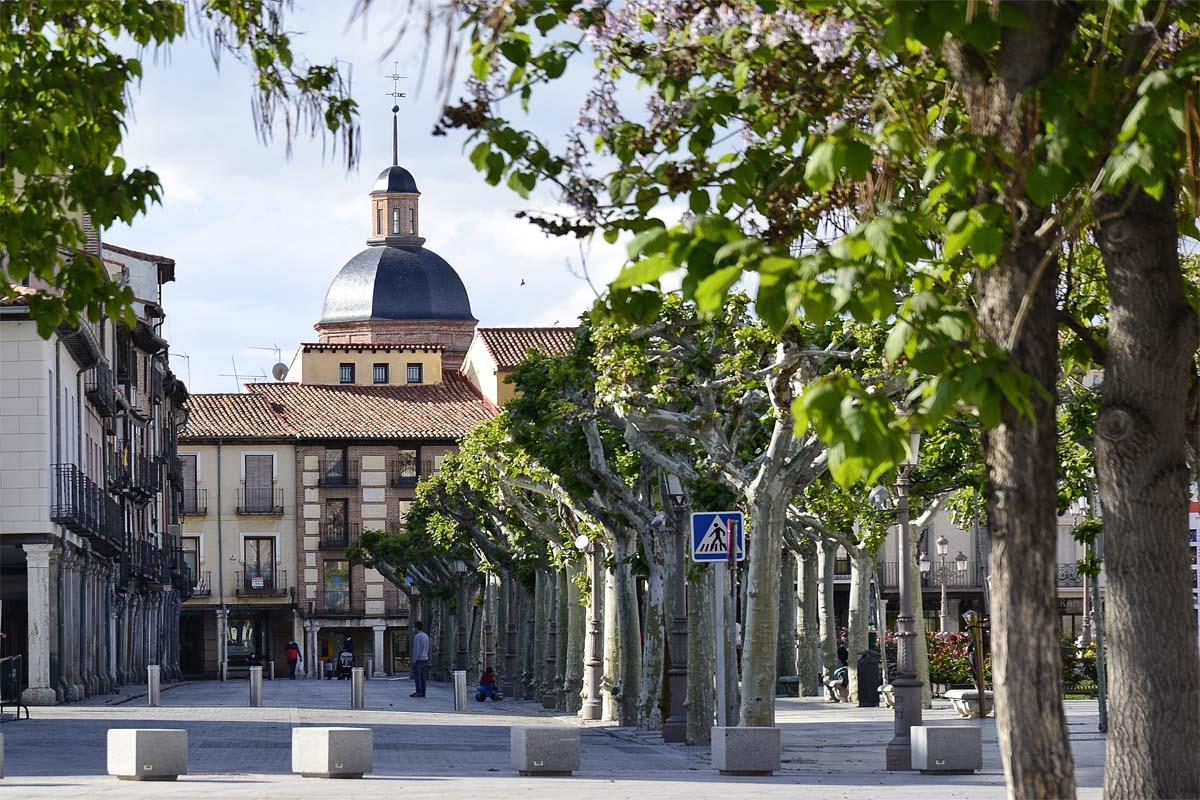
712 531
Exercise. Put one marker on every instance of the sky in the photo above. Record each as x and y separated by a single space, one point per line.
257 236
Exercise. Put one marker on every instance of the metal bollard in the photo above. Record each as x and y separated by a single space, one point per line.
370 668
224 670
358 689
256 698
153 676
460 690
270 670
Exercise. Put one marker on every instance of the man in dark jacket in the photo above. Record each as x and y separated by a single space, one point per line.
293 657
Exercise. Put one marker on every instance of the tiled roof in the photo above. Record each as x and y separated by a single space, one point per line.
151 257
233 416
448 410
374 347
19 295
510 346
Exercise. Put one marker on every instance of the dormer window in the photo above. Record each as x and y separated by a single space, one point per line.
396 220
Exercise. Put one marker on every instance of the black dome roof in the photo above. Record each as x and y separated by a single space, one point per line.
396 282
395 179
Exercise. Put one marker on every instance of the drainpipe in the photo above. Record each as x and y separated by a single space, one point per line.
224 614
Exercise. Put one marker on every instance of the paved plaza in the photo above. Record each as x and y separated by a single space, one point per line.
423 749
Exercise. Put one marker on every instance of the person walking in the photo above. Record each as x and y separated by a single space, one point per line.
293 657
420 660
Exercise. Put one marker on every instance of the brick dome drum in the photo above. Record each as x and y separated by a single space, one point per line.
389 282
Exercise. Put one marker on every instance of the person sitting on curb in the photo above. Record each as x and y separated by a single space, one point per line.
487 686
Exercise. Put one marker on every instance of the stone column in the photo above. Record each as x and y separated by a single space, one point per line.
71 578
380 658
87 607
38 561
593 669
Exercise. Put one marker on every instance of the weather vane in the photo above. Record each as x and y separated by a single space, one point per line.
395 94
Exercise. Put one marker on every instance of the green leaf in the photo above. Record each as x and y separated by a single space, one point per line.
821 170
710 293
647 270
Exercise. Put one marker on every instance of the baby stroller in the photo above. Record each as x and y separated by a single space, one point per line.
345 661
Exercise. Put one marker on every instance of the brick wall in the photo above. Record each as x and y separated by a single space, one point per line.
453 335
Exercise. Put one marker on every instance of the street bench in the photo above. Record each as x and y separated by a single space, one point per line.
966 702
788 686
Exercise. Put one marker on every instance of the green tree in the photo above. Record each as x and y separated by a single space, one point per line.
65 83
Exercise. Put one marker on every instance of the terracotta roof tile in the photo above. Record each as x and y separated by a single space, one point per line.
17 295
510 346
232 416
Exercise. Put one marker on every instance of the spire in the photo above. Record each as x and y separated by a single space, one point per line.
395 94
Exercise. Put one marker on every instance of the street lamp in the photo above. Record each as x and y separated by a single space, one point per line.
593 663
675 725
905 685
460 657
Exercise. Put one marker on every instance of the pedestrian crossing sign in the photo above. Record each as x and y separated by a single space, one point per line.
712 531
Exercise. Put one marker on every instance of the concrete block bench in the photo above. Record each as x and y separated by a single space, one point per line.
949 749
544 750
746 751
788 686
332 752
966 702
147 754
888 695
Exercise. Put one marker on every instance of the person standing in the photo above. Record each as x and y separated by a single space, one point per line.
293 657
420 660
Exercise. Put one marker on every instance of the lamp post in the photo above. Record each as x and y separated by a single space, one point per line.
906 688
460 575
944 575
593 663
675 725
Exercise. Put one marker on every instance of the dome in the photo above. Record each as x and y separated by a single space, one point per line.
396 282
395 179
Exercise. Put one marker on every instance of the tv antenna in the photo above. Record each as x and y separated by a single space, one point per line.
280 370
186 358
238 376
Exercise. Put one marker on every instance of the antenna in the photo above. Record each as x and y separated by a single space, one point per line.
280 370
237 377
186 358
395 94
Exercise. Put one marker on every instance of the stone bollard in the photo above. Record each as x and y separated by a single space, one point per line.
746 751
224 670
544 750
153 677
947 749
332 752
256 694
270 670
460 690
147 754
358 689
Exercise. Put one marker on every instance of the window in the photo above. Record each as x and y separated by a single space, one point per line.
379 219
336 585
191 557
412 221
346 373
336 533
260 483
380 373
414 373
395 220
260 563
188 462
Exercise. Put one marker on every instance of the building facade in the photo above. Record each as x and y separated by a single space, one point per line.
91 576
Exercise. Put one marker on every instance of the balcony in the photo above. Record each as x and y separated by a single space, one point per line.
79 505
98 385
254 581
339 603
156 386
337 535
264 501
338 472
971 578
203 585
195 503
1068 575
144 476
403 472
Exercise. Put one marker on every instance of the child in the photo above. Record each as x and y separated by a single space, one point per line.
487 686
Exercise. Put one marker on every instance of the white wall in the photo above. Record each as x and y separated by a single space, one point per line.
25 364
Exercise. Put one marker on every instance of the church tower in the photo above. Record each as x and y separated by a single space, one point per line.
396 292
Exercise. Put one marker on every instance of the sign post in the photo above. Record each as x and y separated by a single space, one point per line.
719 536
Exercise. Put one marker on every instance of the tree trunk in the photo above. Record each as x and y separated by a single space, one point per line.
541 630
862 567
808 628
628 625
1142 472
732 662
760 634
1020 454
529 652
785 653
612 644
562 641
1020 461
829 642
576 632
881 629
650 713
918 605
702 661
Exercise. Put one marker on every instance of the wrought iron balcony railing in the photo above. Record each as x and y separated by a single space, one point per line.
78 503
339 603
98 385
254 581
338 472
335 535
406 472
195 503
203 585
260 500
